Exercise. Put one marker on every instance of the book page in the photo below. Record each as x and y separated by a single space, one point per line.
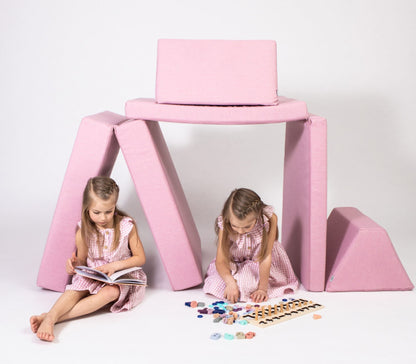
119 273
92 273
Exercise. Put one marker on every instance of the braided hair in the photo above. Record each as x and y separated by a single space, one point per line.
241 203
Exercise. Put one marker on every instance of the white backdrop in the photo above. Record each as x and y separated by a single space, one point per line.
351 61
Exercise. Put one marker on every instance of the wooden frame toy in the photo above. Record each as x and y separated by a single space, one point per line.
268 315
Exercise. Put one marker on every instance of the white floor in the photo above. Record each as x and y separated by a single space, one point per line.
377 327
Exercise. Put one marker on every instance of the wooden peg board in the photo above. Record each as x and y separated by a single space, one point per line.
283 311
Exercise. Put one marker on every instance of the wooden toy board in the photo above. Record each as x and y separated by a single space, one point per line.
268 315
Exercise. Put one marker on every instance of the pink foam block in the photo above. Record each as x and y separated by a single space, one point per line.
163 201
216 72
360 255
94 153
304 200
149 109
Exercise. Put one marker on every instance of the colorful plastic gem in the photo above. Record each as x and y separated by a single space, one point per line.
228 336
250 335
215 336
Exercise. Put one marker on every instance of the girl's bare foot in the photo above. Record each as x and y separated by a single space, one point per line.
35 322
45 330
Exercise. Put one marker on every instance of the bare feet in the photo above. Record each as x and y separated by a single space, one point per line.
42 325
35 322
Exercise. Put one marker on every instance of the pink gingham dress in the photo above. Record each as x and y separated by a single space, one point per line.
130 296
245 269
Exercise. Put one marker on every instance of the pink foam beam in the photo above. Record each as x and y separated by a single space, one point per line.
304 200
163 201
94 153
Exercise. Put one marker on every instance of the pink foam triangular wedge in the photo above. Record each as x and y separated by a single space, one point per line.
360 255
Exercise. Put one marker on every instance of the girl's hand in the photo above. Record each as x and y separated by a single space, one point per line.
231 292
71 263
108 268
259 296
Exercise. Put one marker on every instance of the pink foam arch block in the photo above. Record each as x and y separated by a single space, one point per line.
304 200
94 153
148 109
163 201
360 255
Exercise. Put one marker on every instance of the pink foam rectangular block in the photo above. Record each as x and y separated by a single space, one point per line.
163 201
287 110
216 72
94 153
305 199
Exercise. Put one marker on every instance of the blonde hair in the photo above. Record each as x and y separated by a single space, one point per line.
104 188
241 203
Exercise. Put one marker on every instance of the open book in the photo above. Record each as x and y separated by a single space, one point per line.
119 277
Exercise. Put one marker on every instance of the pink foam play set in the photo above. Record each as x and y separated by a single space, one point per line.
233 83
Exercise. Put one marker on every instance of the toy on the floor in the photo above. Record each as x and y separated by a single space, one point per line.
221 311
261 316
268 315
238 335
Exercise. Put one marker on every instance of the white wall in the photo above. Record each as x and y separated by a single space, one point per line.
351 61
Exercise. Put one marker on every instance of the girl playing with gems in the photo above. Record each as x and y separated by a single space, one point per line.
107 240
250 265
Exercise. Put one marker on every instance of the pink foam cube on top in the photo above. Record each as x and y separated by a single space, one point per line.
216 72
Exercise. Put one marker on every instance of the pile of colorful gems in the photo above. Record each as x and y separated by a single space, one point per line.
223 312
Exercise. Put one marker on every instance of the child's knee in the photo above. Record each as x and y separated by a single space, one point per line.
111 293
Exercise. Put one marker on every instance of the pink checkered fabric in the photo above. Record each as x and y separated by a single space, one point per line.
130 296
245 269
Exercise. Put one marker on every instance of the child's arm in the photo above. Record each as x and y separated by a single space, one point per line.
260 294
80 258
137 259
231 292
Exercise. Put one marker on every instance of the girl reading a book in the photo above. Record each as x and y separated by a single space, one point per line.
106 240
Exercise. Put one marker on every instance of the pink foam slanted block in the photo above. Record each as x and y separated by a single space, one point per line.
163 201
216 72
148 109
304 200
94 153
360 255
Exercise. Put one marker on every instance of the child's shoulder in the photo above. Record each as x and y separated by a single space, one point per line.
220 222
127 219
268 211
126 224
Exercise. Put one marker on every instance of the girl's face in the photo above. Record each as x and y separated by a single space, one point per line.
102 211
243 226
